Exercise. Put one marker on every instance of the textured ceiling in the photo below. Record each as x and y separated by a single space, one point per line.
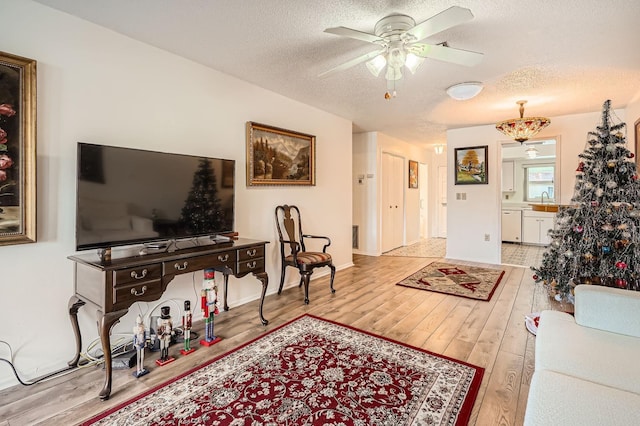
564 57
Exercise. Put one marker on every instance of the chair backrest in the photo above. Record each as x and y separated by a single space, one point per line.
288 221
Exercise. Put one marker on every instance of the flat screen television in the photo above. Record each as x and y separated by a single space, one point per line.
130 196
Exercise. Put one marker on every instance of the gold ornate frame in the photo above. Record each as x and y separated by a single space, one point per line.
17 149
413 174
278 156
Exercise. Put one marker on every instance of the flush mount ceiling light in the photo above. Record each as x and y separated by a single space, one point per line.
464 91
523 128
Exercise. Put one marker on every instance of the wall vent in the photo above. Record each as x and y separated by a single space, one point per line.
355 237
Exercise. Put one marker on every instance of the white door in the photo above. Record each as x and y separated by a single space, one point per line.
423 184
392 202
442 202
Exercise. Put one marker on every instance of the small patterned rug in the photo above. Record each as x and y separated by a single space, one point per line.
311 371
471 282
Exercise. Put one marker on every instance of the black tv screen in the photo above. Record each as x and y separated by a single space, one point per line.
130 196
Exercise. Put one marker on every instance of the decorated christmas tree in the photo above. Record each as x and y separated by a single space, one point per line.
596 240
202 211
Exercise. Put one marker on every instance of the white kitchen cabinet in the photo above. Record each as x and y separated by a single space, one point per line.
508 176
512 226
535 227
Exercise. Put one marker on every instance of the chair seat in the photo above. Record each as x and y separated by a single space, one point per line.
310 258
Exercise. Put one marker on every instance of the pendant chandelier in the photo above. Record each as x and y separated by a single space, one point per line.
523 128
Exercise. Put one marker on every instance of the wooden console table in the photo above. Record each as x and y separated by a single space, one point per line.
115 285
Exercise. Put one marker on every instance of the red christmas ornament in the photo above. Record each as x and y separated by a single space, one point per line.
578 228
631 155
634 177
535 277
621 283
621 265
580 167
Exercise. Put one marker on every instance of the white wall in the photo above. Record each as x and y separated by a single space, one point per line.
470 220
367 154
633 114
366 208
97 86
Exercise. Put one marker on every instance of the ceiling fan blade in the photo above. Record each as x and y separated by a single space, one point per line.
358 35
451 17
353 62
447 54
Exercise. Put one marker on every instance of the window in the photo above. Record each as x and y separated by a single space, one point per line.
539 179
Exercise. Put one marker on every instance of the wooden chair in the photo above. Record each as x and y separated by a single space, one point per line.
288 219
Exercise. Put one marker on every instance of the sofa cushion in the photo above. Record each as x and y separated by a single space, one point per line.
556 399
587 353
610 309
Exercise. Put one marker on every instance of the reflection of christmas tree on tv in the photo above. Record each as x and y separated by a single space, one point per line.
202 212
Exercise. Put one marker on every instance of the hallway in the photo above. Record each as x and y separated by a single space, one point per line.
512 253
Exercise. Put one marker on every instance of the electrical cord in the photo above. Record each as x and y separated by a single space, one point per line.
38 380
123 345
96 359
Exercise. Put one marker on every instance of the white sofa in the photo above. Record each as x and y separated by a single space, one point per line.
587 366
104 221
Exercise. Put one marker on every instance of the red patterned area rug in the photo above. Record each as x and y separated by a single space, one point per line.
311 371
471 282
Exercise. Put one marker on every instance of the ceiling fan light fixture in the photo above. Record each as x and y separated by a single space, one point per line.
413 62
396 57
398 38
523 128
376 65
464 91
393 73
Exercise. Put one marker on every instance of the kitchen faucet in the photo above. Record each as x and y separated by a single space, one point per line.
542 197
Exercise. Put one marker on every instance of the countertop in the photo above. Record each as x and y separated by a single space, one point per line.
516 206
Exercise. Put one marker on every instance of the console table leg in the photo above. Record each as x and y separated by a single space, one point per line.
105 322
264 279
226 286
74 304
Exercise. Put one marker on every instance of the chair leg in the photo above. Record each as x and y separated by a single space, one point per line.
305 279
281 278
301 281
333 274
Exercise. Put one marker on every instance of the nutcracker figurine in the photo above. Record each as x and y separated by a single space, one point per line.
139 342
186 329
165 331
209 306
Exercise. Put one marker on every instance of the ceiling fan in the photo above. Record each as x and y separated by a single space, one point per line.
398 38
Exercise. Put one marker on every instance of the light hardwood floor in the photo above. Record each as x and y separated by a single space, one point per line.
488 334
